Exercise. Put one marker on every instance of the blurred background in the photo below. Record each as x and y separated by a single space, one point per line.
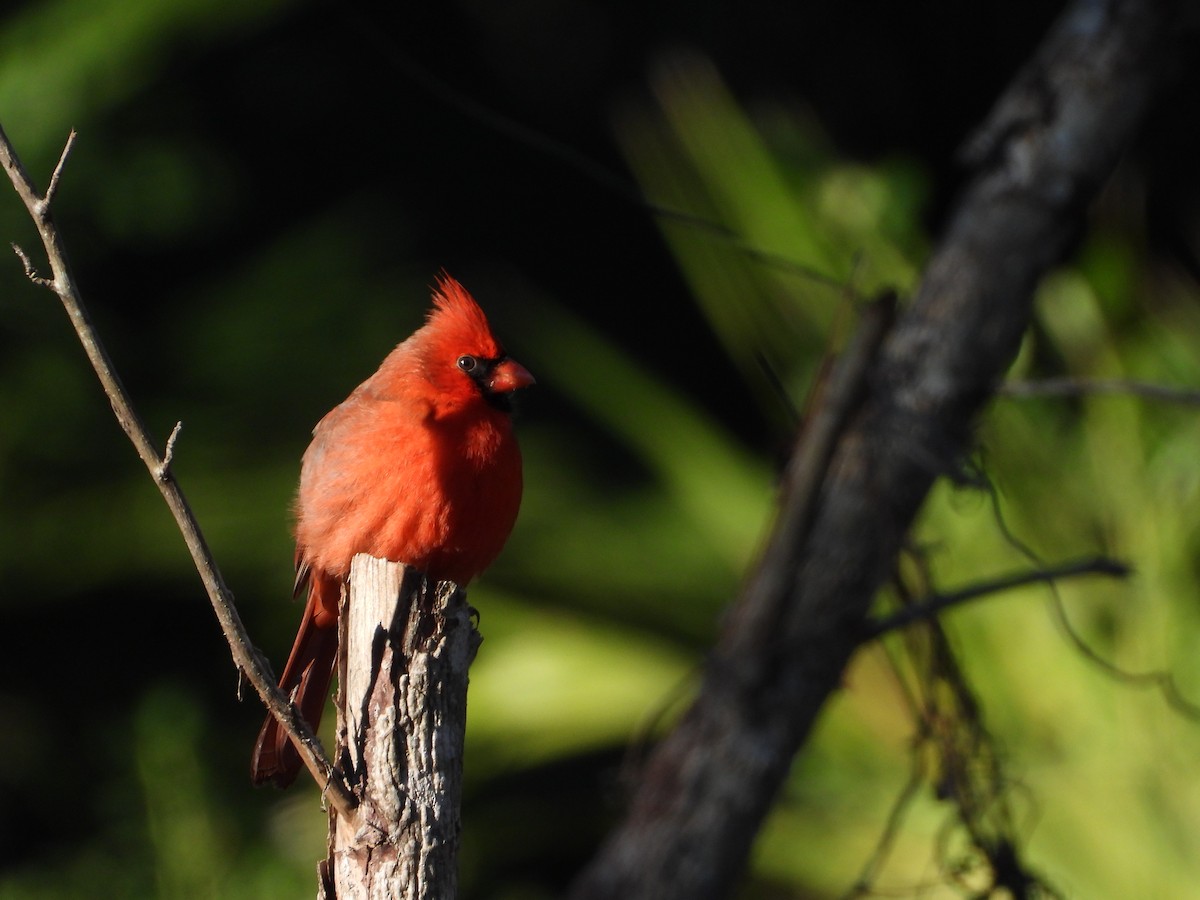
669 211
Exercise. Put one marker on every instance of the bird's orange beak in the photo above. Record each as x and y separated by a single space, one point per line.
507 376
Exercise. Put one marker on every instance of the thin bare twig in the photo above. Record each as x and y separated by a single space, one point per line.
245 656
30 271
43 206
168 453
1162 680
938 603
1067 387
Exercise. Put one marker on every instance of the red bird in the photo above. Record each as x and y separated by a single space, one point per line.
419 465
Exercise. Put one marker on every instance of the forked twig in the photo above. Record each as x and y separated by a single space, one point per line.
245 656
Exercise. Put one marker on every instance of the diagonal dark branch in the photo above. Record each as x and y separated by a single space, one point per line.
245 656
1037 163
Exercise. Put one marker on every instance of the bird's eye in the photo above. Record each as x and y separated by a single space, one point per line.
467 363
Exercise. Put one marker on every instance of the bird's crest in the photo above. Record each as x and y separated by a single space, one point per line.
455 310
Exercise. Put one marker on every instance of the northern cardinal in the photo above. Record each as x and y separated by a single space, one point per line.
419 465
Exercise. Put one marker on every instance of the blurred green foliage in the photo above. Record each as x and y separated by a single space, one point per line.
253 234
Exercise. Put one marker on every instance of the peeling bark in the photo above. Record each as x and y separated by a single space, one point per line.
405 646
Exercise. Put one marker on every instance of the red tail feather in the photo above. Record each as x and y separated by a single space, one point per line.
306 679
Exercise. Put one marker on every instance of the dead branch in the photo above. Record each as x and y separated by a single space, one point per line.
245 655
1038 162
404 648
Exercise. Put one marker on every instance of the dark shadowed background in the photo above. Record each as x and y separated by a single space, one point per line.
669 212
